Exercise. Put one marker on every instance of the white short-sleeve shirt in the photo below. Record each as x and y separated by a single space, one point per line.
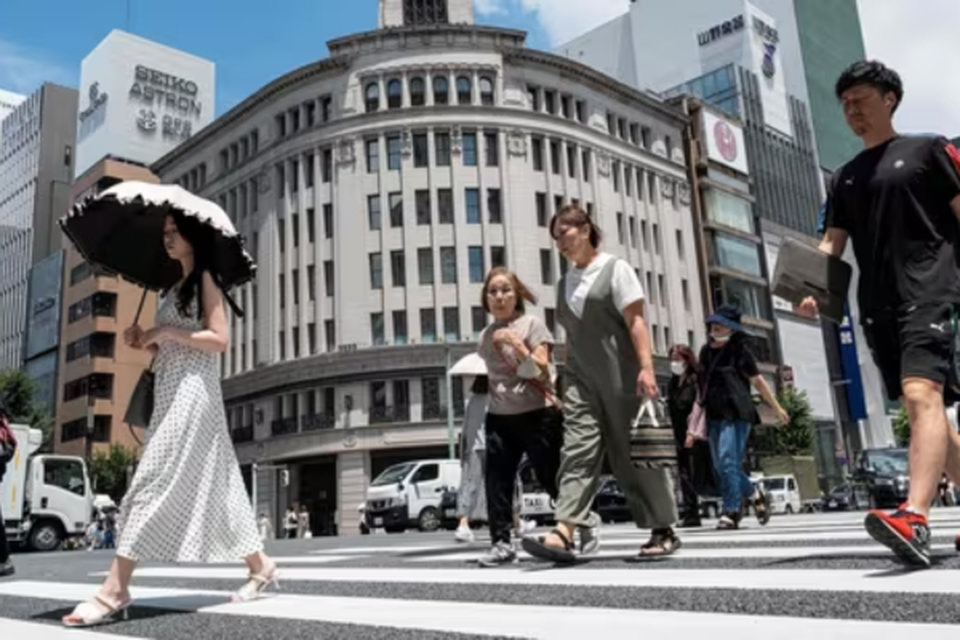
625 284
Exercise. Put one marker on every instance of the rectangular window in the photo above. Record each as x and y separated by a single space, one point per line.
421 150
398 268
445 205
729 210
494 208
373 155
376 271
478 321
536 152
555 156
491 145
295 285
451 324
550 319
374 216
469 149
425 265
475 257
498 257
329 278
540 200
330 333
311 226
377 330
472 204
448 265
400 327
441 142
328 220
546 266
311 282
428 325
680 249
422 201
734 253
394 152
396 209
685 292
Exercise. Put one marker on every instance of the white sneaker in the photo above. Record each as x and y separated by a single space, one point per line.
463 534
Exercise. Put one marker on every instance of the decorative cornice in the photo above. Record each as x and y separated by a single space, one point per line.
288 81
412 70
603 82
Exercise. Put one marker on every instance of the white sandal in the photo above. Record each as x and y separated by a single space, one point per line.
256 585
96 612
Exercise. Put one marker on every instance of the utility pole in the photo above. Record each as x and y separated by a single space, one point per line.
451 445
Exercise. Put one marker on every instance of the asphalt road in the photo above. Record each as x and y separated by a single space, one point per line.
799 577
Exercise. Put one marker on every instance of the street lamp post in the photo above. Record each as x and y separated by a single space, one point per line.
451 444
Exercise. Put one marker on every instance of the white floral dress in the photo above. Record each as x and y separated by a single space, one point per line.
187 501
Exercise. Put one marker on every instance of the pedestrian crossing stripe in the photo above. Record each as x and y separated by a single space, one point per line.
18 629
833 580
488 619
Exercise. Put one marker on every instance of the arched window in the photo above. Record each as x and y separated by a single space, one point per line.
464 90
441 90
372 96
486 91
394 94
417 92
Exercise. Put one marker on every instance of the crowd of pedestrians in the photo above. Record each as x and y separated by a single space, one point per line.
897 202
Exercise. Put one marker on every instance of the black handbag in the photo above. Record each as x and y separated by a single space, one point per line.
140 407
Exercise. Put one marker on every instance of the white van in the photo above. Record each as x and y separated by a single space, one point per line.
784 493
408 495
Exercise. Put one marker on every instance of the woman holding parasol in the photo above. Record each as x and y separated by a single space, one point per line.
187 501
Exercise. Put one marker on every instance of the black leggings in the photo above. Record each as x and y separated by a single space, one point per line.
4 547
539 434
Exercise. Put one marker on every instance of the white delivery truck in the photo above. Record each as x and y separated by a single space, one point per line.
45 499
408 495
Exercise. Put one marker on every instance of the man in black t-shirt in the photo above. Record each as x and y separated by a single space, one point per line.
898 201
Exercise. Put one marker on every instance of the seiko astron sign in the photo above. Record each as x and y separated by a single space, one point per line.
142 99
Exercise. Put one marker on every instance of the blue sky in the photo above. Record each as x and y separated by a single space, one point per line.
250 42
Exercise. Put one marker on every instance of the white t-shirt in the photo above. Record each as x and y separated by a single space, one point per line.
625 284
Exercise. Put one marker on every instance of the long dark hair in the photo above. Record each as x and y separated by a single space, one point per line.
686 354
200 238
574 216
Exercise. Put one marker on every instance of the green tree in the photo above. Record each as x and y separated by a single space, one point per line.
19 392
796 438
901 428
109 470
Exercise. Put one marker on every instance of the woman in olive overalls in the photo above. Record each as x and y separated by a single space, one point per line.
609 368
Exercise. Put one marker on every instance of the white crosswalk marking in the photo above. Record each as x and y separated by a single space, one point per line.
800 577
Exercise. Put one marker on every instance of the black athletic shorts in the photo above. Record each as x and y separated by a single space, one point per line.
916 341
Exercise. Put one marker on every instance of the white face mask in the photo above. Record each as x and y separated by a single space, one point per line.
678 368
721 338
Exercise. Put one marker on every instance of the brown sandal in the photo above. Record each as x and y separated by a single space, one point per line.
662 542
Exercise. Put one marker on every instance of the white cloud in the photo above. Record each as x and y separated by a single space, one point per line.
921 40
563 20
490 7
23 71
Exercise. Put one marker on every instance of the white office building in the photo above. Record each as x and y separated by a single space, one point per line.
376 188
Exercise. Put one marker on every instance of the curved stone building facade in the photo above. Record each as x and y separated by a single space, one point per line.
375 189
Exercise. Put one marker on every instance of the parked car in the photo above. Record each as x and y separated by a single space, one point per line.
840 498
882 478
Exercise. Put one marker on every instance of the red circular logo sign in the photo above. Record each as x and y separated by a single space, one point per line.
726 141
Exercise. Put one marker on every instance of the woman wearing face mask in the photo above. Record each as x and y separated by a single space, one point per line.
609 369
521 416
681 395
730 370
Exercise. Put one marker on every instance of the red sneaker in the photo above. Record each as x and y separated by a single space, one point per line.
903 532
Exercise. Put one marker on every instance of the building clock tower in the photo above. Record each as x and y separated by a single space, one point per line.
416 13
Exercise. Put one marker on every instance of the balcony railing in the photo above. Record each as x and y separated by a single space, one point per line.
318 422
437 411
242 434
387 415
284 427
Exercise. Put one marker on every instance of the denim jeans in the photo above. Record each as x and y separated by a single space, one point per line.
728 446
